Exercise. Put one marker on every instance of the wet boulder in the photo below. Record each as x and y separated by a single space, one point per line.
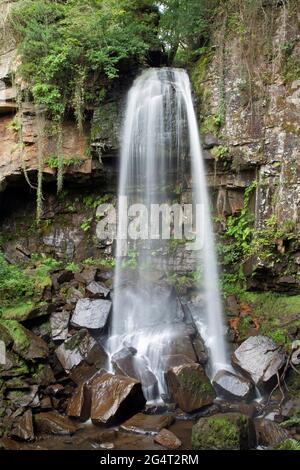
126 362
175 360
269 433
25 343
23 427
81 346
95 290
189 387
115 399
54 423
59 322
147 424
231 431
233 387
92 314
259 358
167 439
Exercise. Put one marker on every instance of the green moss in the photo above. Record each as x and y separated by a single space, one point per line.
220 432
17 312
193 383
18 335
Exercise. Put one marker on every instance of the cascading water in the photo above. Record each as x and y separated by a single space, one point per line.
160 150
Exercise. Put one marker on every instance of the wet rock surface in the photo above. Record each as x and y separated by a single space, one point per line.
259 358
23 427
115 399
92 314
147 424
189 387
54 423
233 387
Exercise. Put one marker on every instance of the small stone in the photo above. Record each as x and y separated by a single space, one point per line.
167 439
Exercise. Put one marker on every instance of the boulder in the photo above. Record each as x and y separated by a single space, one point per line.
81 346
92 314
59 322
189 387
268 433
231 431
147 424
54 423
291 408
25 343
115 398
232 387
175 360
23 427
86 276
260 358
83 372
95 290
126 362
167 439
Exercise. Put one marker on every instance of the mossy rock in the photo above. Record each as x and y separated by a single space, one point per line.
232 431
25 343
189 387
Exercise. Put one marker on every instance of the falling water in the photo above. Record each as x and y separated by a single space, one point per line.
161 150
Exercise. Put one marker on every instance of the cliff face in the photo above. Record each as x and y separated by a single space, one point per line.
247 90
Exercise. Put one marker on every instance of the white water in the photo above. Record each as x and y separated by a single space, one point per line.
160 147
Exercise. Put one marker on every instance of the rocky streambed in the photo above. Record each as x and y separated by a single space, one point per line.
60 390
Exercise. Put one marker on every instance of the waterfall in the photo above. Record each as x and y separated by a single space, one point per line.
160 151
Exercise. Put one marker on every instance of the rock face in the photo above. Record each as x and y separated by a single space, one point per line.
189 387
233 387
259 358
81 346
231 431
115 398
92 314
147 424
167 439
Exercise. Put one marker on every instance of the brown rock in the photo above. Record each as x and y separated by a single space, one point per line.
37 348
80 404
23 427
167 439
54 423
86 276
83 372
115 398
189 387
147 424
269 433
175 360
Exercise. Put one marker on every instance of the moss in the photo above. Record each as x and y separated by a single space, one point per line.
221 432
18 335
193 383
17 312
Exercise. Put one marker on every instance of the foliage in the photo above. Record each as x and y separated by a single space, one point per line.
54 161
86 224
14 282
186 26
70 48
289 444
